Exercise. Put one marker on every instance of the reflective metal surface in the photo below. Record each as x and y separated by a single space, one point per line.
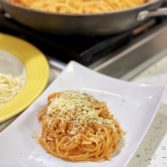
87 24
136 57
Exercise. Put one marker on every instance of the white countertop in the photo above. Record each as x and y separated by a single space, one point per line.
153 150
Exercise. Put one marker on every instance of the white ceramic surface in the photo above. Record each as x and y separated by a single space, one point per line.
9 64
134 106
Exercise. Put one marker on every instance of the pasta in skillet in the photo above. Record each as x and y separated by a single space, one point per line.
79 6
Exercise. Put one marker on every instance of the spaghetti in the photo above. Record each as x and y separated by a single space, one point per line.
77 127
9 87
79 6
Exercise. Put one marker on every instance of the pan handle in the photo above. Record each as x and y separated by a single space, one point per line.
148 14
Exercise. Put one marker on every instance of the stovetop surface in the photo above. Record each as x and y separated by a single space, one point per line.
85 50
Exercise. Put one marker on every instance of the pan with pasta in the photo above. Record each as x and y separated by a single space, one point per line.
77 127
81 17
79 6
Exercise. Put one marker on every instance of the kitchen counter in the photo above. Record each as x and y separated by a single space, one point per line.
153 149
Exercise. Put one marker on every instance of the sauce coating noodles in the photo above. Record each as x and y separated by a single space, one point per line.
79 6
77 127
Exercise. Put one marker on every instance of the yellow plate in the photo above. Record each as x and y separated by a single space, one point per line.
36 71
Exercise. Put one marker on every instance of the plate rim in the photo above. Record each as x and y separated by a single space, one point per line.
9 113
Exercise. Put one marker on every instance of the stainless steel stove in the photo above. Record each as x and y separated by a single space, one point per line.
121 56
137 55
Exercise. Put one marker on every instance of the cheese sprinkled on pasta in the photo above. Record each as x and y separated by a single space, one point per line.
77 127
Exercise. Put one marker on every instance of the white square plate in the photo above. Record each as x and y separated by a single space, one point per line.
134 106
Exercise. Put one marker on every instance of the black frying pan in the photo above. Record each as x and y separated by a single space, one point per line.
83 24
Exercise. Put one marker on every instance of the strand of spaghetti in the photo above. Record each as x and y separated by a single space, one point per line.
9 87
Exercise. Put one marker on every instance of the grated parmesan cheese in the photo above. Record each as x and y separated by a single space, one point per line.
77 108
